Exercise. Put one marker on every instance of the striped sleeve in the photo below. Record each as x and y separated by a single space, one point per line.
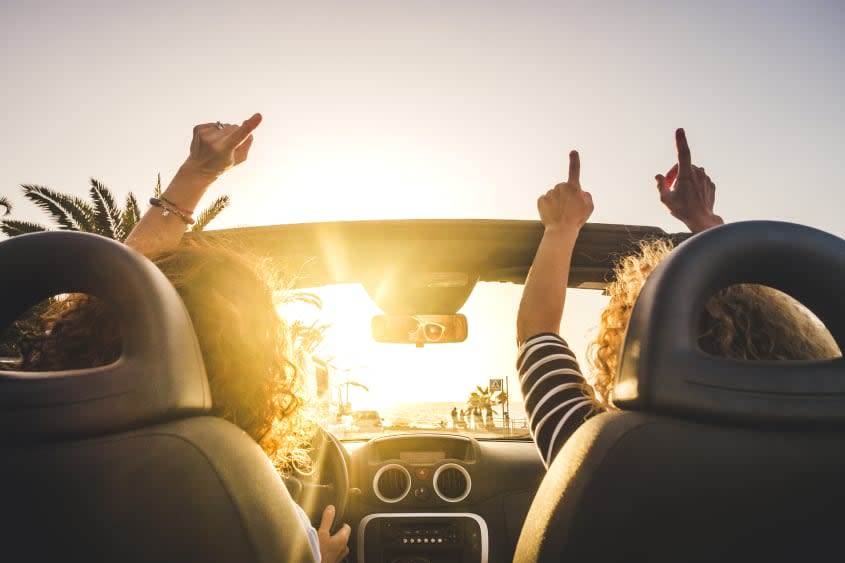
551 391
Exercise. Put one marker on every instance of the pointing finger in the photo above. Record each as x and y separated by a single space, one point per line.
574 168
684 158
244 131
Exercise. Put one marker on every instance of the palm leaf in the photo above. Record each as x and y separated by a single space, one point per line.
305 297
130 217
356 384
71 213
106 212
4 202
308 337
14 228
210 212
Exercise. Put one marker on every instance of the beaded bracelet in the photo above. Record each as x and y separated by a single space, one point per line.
167 208
177 207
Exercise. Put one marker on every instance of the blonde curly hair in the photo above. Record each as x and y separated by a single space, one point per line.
249 351
743 321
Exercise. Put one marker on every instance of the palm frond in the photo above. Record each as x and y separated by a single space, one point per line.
308 337
106 212
14 228
4 202
131 215
70 212
210 212
304 297
356 384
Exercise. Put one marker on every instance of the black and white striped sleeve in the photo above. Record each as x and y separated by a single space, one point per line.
551 383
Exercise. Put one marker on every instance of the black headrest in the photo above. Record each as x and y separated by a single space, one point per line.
160 372
662 368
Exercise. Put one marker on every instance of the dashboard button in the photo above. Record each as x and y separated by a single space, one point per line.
422 493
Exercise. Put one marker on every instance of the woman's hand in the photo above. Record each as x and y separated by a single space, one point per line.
687 191
563 211
214 149
566 206
333 548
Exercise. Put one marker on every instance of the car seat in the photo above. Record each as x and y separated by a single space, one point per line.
124 462
709 459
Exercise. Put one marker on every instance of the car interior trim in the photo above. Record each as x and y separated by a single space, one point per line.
440 493
383 470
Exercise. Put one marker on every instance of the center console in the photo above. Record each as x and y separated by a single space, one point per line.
453 537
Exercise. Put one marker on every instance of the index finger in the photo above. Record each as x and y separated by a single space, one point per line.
574 168
684 157
245 130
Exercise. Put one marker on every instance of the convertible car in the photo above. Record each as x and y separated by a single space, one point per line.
707 459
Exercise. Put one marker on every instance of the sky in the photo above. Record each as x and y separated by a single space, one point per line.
431 109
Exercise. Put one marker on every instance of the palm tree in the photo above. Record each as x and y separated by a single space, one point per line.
101 215
483 400
4 202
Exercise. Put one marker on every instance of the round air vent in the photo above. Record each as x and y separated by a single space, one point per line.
392 483
452 482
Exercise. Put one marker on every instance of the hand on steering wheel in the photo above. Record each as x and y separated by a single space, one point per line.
327 483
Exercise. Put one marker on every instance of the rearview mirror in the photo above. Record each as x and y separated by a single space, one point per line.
419 329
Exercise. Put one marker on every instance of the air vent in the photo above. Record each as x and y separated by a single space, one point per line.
452 482
392 483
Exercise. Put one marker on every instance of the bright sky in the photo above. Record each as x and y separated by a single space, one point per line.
419 109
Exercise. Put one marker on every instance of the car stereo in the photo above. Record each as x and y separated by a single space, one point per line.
422 538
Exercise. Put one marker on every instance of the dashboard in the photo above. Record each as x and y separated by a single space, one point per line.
439 498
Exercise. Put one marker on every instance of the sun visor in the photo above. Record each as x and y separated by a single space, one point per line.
423 292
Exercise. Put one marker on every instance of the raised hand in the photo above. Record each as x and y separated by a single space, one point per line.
687 191
563 211
566 205
217 147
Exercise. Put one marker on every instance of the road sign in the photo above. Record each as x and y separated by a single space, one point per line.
495 385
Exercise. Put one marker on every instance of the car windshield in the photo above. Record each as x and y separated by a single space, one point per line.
367 388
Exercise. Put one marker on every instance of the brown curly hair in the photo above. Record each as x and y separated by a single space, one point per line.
743 321
248 349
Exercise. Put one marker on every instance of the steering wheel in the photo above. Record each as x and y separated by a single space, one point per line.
327 483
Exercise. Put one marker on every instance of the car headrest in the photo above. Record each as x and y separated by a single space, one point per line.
662 368
160 373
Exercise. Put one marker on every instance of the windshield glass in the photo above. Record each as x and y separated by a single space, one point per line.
367 388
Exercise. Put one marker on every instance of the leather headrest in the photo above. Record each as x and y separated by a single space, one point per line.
160 373
662 368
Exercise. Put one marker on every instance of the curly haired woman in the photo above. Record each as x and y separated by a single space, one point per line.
742 321
248 350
